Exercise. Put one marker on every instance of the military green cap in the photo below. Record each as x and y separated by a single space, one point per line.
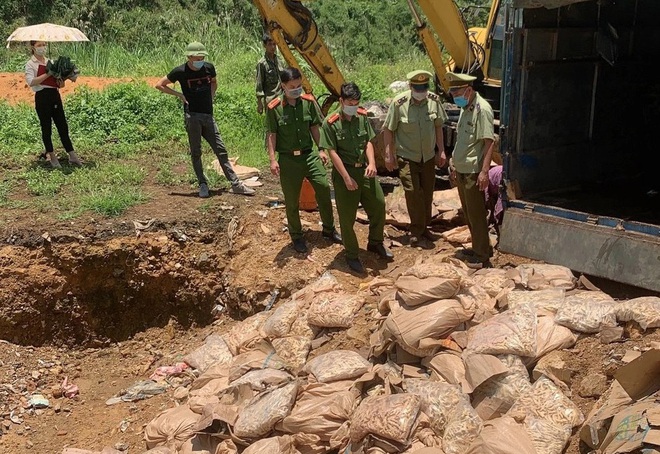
419 77
196 49
458 79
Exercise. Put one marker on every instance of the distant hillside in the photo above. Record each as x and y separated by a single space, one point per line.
375 30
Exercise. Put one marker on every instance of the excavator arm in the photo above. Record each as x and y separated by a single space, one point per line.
290 22
468 49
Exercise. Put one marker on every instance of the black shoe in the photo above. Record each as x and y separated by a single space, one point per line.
355 265
429 235
299 245
421 242
381 250
334 236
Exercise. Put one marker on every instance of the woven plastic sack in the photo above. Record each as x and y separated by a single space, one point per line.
214 350
537 276
436 319
429 281
587 312
548 438
545 401
438 400
644 310
477 301
262 379
293 351
502 436
463 426
551 336
260 416
242 335
550 299
321 409
254 359
492 280
505 388
334 310
337 365
388 416
171 428
279 323
511 332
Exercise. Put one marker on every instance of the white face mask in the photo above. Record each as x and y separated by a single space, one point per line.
420 95
294 93
349 110
41 51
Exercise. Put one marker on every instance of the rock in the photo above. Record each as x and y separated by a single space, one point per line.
121 446
554 367
593 385
611 334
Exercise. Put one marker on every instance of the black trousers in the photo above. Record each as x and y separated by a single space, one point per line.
48 104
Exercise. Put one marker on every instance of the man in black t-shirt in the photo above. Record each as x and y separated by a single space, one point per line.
198 86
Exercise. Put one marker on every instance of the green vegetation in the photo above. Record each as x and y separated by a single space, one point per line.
129 134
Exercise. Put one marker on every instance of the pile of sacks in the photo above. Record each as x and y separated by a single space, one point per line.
455 366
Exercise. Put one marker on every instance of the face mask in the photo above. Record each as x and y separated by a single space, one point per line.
41 51
349 110
198 64
294 93
420 95
460 101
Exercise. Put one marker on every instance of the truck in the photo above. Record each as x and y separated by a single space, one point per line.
579 104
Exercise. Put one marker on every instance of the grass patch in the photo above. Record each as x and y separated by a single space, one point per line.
42 182
109 189
5 189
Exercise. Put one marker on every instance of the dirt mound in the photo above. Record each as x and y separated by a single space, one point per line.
14 90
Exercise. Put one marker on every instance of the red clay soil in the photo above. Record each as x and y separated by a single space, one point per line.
14 90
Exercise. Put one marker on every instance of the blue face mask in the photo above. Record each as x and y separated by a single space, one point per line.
198 64
460 101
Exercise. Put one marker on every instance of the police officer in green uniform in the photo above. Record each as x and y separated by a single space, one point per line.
268 74
346 134
292 120
414 123
471 159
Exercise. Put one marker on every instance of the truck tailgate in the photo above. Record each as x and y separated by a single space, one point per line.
627 252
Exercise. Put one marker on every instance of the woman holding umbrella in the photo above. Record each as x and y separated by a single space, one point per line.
48 103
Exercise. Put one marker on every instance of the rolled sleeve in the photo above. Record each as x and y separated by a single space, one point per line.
30 72
271 121
328 139
392 118
485 125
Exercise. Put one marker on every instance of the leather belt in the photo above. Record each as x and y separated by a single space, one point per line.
301 152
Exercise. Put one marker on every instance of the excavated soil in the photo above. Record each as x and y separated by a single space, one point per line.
14 90
102 304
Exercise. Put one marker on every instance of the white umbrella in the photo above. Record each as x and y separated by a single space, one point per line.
48 33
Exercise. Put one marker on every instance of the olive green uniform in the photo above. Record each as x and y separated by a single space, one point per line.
348 137
298 160
413 125
268 79
474 125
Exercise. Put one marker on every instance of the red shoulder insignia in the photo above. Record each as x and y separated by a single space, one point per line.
308 97
274 103
334 117
362 111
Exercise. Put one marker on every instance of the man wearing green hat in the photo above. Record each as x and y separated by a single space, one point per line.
414 123
198 87
471 159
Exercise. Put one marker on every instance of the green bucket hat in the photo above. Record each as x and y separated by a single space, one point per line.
196 49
